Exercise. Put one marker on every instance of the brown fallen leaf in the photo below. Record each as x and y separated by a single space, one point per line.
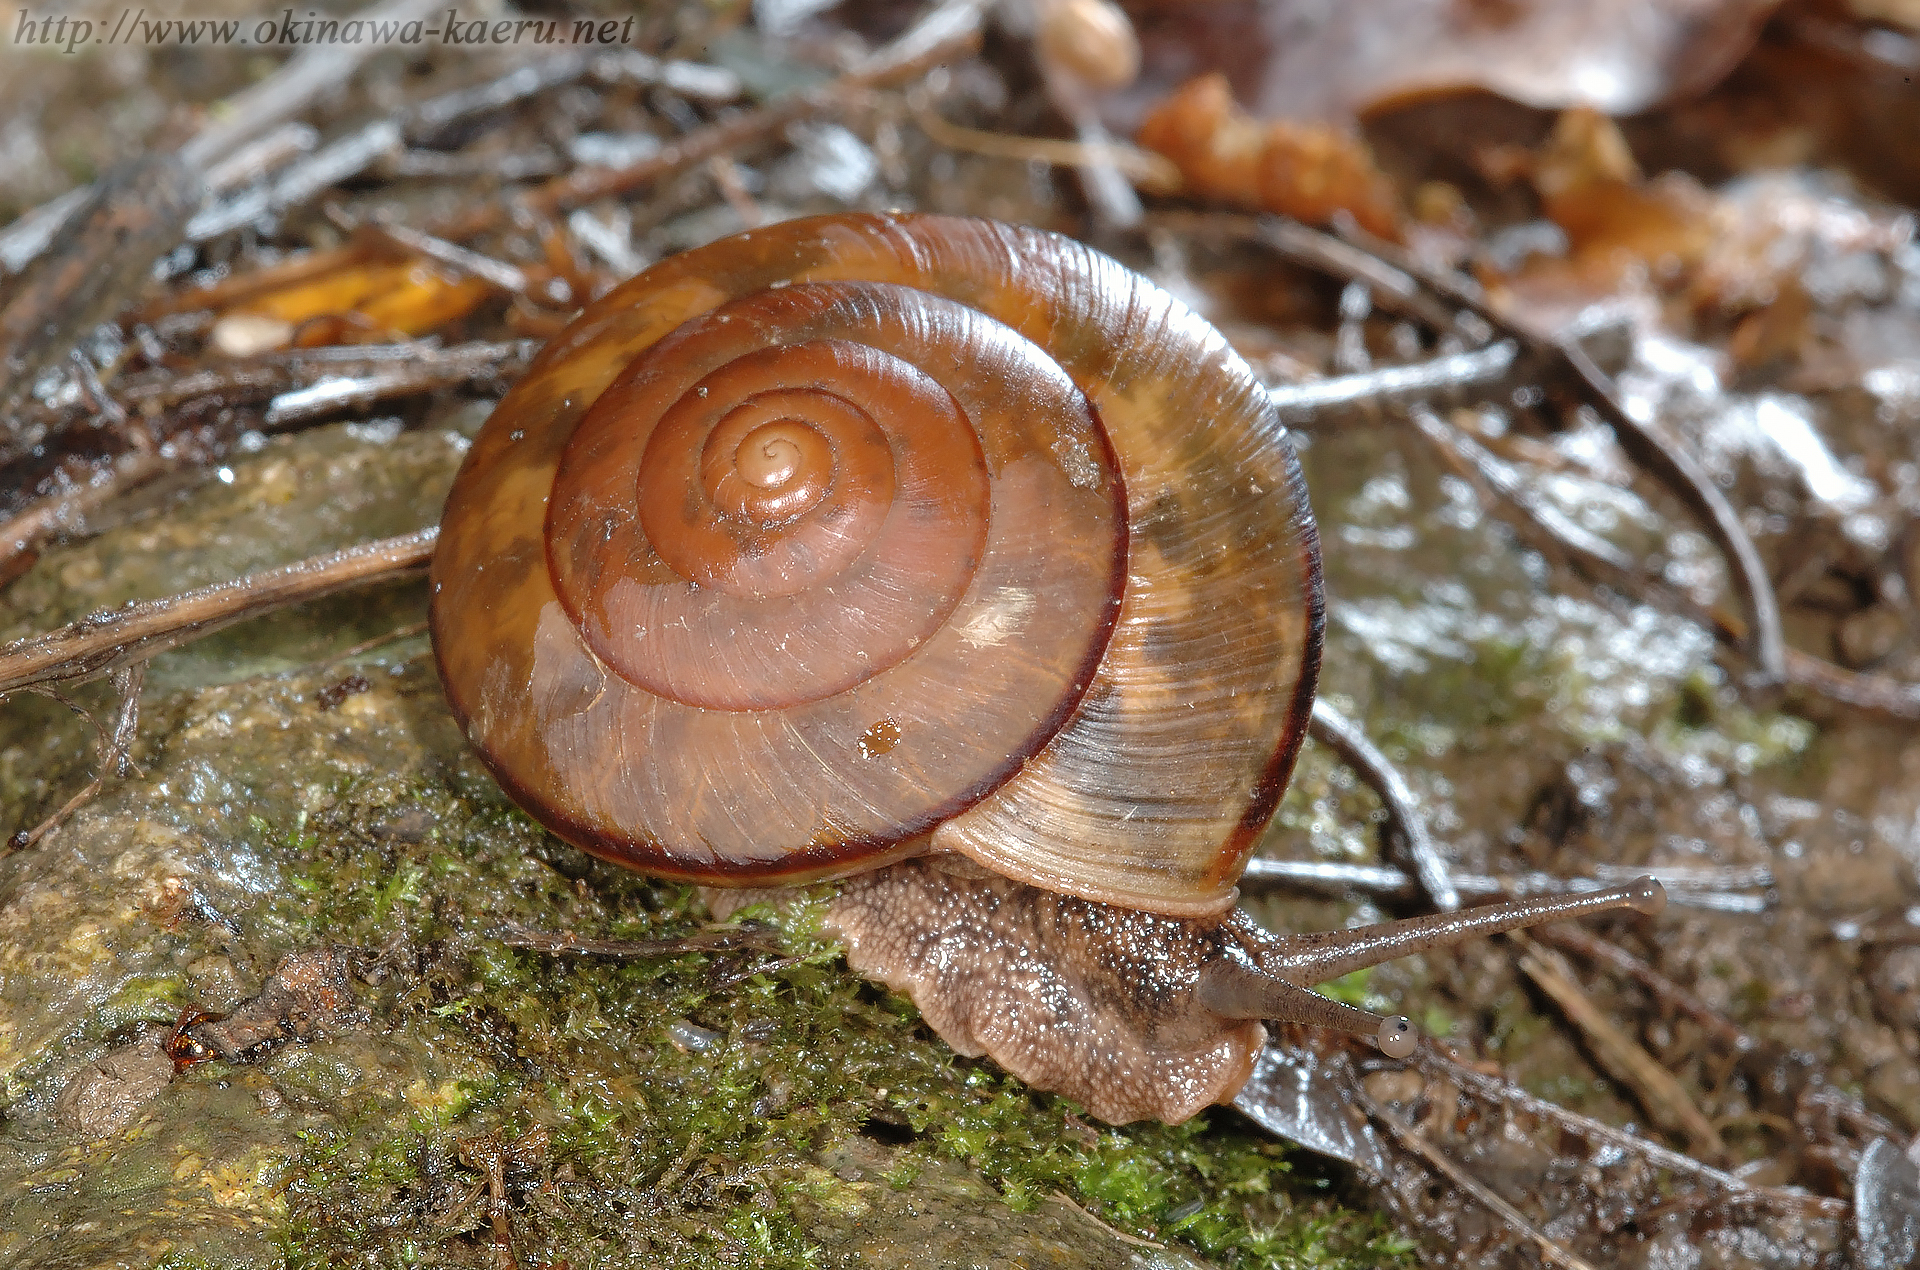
1306 171
1726 256
307 996
1591 187
1306 59
370 302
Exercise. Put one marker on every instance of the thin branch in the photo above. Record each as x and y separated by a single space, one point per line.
365 646
1397 288
427 120
1581 943
445 368
288 90
1153 172
107 641
64 512
29 235
948 32
1059 1197
96 392
1559 539
1111 198
495 273
1881 693
1325 402
102 254
1392 288
260 157
298 385
268 375
1334 730
339 160
26 838
1503 1092
116 752
1545 527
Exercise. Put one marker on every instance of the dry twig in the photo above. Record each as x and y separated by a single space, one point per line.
116 750
1713 889
1337 732
1670 994
292 87
298 385
1501 1092
1560 540
946 33
1059 1197
103 253
105 642
1152 172
1326 403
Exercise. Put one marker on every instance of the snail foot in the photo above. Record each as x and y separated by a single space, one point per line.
1088 1000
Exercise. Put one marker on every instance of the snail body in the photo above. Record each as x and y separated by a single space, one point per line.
946 557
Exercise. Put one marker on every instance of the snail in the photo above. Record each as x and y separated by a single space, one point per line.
956 562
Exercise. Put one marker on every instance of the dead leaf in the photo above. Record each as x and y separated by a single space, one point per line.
1306 59
370 302
1307 171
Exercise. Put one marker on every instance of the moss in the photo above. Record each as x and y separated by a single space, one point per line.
1707 720
718 1140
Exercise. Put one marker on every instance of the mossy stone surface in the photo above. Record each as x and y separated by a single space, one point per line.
754 1107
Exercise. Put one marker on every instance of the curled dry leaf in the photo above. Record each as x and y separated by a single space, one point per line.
1616 223
1733 255
1305 59
369 302
1307 171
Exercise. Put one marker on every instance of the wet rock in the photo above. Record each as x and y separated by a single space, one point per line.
106 1094
948 1219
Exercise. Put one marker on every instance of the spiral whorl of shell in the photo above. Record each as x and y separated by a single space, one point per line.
863 536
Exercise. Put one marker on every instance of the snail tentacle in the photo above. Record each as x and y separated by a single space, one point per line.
1319 956
1237 990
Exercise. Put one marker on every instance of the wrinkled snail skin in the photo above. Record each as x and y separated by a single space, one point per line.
950 559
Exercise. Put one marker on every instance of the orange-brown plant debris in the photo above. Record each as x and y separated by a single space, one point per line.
1307 171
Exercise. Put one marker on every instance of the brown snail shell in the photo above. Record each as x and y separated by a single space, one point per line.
862 537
